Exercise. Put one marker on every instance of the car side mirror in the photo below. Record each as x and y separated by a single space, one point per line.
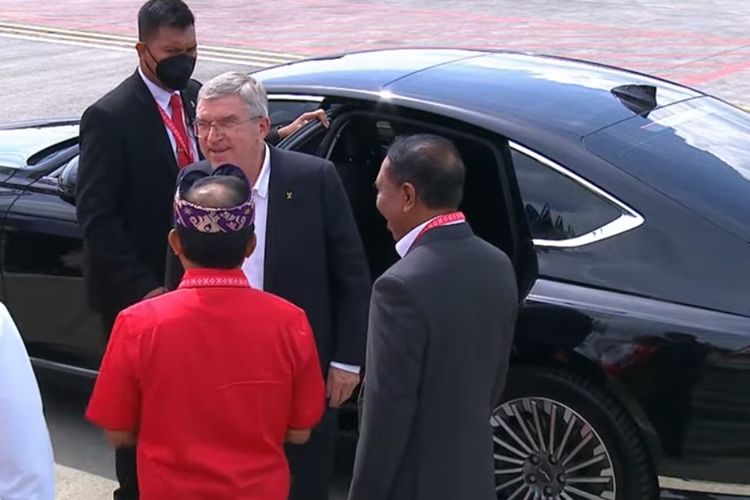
66 181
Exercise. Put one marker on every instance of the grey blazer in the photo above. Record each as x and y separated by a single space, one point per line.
439 337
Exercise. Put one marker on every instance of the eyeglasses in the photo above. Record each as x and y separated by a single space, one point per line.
203 127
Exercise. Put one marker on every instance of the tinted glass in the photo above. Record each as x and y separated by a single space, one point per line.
283 112
558 208
696 152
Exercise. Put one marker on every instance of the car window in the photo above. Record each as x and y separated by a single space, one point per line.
557 207
283 110
697 152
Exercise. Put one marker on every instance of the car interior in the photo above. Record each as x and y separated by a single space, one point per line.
359 145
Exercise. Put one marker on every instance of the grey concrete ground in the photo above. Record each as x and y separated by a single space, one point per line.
703 43
43 79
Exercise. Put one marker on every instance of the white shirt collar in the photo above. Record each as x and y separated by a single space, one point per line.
261 183
160 95
404 244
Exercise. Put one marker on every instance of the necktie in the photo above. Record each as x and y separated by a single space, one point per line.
184 156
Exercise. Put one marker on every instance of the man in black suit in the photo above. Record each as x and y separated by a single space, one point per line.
308 250
133 142
439 337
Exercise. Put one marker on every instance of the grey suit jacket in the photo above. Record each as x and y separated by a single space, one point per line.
440 333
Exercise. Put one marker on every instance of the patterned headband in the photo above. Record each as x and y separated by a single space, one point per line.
212 220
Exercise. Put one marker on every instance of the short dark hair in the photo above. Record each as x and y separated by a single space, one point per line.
216 250
432 165
156 14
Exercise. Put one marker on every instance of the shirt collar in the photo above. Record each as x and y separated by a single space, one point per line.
404 244
214 278
261 183
160 95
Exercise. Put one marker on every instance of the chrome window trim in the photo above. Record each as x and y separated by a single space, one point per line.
295 97
628 220
64 368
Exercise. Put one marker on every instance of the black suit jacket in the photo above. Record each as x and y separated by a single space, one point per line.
439 339
126 179
314 256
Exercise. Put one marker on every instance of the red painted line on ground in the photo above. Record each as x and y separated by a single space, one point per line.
728 70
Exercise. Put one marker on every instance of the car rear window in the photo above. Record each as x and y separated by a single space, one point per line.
697 152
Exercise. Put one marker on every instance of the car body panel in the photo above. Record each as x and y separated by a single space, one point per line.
681 366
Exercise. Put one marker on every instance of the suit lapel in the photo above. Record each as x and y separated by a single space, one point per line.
279 215
151 126
189 104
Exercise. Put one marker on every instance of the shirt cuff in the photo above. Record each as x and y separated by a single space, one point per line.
345 367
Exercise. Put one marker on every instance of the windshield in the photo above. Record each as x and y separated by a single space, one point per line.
697 152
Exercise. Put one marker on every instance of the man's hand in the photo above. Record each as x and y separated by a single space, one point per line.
118 439
155 293
302 120
341 385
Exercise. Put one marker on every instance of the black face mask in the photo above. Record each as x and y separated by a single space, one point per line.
174 71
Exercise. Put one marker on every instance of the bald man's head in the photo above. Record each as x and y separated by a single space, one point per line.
221 250
218 191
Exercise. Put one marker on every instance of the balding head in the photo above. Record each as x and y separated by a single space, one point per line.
421 177
218 192
221 250
432 165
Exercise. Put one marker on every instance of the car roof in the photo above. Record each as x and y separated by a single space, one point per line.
499 90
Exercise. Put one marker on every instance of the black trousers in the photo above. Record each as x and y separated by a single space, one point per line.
312 463
127 475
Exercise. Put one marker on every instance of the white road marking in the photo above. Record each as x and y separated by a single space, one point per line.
235 55
674 483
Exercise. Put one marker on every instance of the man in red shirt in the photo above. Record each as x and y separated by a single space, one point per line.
211 379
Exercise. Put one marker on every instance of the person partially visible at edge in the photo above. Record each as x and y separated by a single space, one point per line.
211 379
439 338
133 143
309 250
27 468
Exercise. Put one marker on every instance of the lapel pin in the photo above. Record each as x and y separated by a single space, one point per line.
289 195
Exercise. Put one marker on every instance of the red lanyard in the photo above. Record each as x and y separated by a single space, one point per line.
180 139
441 220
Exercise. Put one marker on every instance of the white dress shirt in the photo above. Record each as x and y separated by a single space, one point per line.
27 467
162 97
404 244
254 265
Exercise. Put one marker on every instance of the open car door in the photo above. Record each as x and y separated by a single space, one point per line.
357 141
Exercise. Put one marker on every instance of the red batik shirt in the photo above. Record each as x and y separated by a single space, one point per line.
210 377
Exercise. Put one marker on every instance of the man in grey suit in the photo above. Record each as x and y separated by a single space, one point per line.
440 333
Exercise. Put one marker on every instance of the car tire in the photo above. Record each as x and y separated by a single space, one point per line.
589 446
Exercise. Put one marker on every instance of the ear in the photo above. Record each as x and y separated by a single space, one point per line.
140 48
175 242
251 246
409 194
265 127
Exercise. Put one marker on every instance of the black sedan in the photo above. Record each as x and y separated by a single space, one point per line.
631 364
